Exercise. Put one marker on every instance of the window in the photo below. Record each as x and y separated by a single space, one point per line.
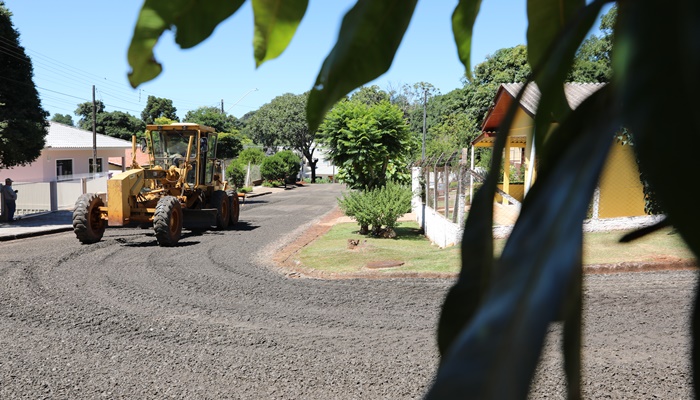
99 165
64 169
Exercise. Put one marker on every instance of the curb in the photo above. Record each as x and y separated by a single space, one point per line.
25 235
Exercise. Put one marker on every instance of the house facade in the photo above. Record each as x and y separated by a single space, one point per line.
68 154
620 192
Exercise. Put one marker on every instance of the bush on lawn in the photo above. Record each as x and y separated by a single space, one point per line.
379 208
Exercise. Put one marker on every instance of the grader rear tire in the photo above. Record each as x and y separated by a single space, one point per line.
87 224
220 201
167 221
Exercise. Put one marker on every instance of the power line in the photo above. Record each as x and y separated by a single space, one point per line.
64 75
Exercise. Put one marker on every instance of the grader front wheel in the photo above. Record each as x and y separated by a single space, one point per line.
87 224
220 201
167 221
235 207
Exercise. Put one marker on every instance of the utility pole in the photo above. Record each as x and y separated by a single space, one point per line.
222 106
94 133
425 100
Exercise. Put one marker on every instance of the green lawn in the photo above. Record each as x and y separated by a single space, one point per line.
331 253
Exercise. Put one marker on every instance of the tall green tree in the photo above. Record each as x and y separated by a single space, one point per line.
157 107
370 95
495 317
120 125
23 121
282 122
252 155
229 145
212 116
593 60
65 119
85 112
111 123
370 144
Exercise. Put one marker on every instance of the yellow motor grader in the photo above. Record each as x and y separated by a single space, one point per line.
180 187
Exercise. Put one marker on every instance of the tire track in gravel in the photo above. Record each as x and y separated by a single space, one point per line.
215 318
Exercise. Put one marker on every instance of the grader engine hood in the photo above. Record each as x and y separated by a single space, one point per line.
119 189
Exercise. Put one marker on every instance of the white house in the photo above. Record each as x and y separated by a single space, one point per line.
68 154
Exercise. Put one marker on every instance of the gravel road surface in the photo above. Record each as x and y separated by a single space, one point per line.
214 319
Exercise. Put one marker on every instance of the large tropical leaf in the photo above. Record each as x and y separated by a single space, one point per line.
276 22
495 356
465 296
656 71
193 21
463 19
546 20
369 37
551 52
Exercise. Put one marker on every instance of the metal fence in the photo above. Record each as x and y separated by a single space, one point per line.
443 184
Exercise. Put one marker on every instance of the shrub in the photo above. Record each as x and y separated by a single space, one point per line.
273 168
291 162
252 155
280 166
379 208
236 172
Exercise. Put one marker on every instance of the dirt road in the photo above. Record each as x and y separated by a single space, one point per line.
214 319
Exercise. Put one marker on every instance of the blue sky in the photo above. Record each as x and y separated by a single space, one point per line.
75 44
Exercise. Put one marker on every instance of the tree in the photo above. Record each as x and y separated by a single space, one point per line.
229 145
85 110
282 122
593 60
63 119
23 122
366 142
157 107
370 95
504 66
252 155
120 125
111 123
213 117
495 317
164 121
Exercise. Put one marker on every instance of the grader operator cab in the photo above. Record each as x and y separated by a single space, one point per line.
180 187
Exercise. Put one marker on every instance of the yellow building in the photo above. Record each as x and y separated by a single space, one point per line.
620 191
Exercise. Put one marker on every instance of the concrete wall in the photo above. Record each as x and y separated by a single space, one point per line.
436 227
444 232
51 196
44 168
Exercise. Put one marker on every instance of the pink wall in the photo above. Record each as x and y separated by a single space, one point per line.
44 168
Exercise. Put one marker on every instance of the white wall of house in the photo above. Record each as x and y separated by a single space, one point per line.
44 168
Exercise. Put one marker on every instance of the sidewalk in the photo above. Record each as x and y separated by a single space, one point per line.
37 224
61 221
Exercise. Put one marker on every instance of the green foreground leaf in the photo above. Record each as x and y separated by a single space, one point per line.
276 22
193 21
369 37
503 341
